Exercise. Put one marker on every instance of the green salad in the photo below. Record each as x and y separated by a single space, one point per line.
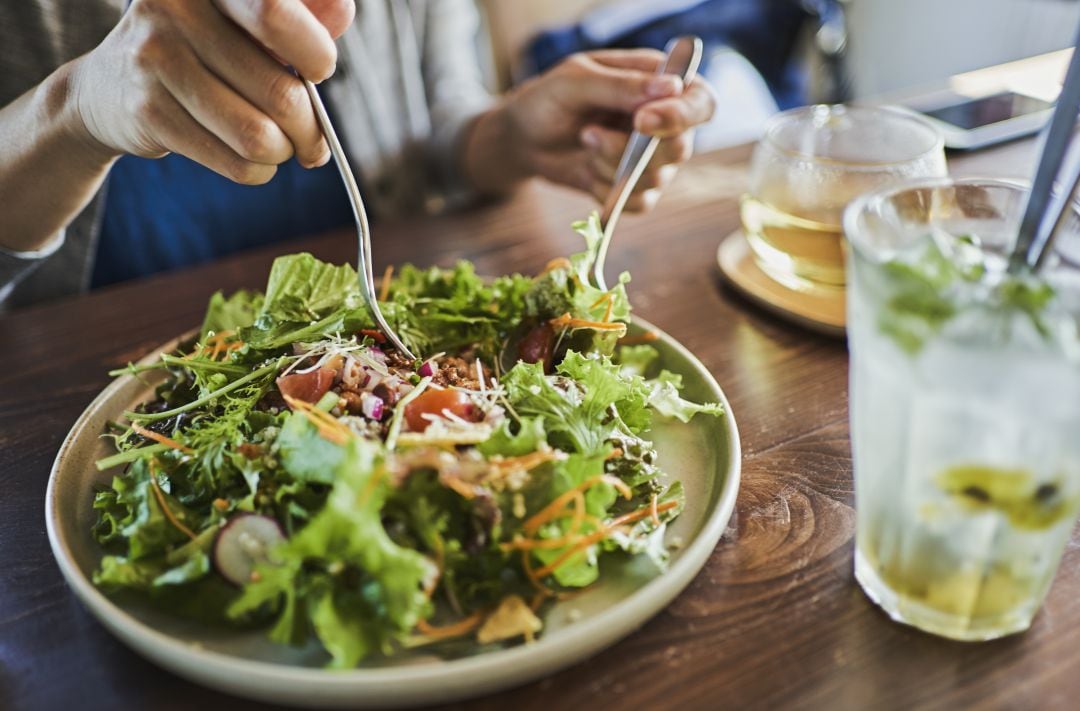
294 472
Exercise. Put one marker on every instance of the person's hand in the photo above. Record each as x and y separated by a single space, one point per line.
208 79
571 124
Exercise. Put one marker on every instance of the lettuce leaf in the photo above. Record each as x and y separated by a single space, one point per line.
664 398
232 313
303 288
304 454
342 573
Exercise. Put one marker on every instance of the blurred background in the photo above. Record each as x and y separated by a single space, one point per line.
767 55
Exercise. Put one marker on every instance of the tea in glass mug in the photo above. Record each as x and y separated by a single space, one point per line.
810 163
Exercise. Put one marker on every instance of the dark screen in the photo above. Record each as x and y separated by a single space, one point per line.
989 109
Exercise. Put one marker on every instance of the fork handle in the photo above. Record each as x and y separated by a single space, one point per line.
683 58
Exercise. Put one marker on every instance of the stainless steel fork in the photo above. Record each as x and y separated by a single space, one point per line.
363 229
683 58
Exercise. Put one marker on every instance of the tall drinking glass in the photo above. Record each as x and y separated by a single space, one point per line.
965 407
810 163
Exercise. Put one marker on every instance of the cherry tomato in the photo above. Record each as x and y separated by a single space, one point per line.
433 402
308 387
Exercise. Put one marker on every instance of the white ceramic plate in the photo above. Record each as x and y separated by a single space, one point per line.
704 454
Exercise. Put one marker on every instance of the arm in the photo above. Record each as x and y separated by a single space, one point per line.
551 125
50 167
192 77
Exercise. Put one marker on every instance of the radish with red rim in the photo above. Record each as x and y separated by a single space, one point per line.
244 542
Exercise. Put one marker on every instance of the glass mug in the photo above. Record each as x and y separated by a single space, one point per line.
810 163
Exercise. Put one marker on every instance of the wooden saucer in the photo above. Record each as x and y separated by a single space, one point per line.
820 310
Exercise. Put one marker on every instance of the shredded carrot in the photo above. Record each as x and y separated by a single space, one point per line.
221 504
464 489
605 298
615 454
384 290
329 427
525 461
220 336
646 337
609 299
537 601
597 536
567 321
642 513
534 579
160 438
552 510
163 504
582 544
215 345
557 263
580 517
374 334
461 627
653 510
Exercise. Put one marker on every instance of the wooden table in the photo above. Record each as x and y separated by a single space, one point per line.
775 618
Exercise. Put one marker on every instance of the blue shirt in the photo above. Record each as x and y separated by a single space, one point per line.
172 212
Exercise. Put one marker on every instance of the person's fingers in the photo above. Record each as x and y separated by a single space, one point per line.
581 82
644 201
656 176
179 133
643 60
605 147
259 78
677 149
335 15
290 30
639 200
246 130
567 167
674 115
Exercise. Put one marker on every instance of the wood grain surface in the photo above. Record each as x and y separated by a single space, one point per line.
774 619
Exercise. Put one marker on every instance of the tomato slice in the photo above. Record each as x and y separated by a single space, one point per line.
308 387
433 402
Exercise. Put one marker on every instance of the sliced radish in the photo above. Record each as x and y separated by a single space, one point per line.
244 542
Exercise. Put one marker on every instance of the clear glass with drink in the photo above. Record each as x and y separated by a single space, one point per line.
810 163
965 407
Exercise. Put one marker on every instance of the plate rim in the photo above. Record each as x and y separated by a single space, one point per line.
446 681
